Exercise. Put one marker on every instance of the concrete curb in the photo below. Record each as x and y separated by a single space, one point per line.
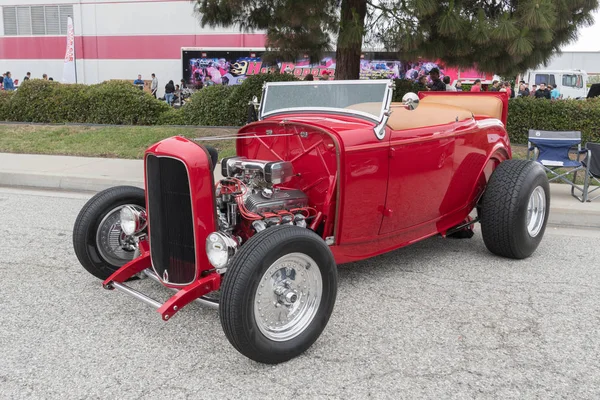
58 182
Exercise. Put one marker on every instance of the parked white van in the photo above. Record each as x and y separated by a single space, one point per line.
571 84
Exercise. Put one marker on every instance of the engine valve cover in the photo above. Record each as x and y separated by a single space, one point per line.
278 200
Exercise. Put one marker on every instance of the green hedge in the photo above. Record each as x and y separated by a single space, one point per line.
403 86
5 99
119 102
221 105
210 107
563 115
252 86
115 102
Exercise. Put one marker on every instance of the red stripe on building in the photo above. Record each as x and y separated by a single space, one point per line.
161 47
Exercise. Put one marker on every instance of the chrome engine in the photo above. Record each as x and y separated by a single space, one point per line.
260 197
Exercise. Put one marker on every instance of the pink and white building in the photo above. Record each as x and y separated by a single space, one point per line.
114 39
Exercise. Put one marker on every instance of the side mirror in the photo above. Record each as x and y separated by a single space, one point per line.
410 100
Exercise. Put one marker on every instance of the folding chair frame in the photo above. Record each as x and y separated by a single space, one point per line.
589 178
533 154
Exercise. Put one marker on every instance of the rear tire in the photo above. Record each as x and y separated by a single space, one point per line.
515 209
278 294
85 231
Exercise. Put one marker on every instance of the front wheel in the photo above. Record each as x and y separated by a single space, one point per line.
99 242
515 209
278 294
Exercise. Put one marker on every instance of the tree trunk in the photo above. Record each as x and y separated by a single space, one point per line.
350 37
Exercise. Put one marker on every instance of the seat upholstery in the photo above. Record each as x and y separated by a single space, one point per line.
488 106
426 114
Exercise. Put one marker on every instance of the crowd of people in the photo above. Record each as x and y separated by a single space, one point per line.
174 94
9 84
432 82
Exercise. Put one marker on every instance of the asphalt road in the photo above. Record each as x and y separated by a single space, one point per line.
441 319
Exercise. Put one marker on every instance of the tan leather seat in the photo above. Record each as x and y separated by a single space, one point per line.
489 106
426 114
373 108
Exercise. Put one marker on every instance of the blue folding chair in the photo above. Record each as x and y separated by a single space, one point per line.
592 164
553 151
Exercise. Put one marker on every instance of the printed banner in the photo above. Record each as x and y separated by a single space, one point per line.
69 73
232 67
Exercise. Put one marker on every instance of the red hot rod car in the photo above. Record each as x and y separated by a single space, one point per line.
333 172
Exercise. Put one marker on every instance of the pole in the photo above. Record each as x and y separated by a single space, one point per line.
74 48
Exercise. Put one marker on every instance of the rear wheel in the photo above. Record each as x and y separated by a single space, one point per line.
514 210
278 294
100 244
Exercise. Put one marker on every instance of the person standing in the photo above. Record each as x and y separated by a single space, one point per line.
436 83
208 81
458 86
495 86
449 87
154 85
139 82
27 77
509 90
422 84
542 92
45 77
169 90
554 93
476 86
533 90
523 90
8 82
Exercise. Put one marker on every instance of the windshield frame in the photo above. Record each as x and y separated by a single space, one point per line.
377 119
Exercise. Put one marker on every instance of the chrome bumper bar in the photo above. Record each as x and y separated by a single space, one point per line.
207 303
121 287
134 293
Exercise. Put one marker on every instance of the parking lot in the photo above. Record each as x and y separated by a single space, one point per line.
440 319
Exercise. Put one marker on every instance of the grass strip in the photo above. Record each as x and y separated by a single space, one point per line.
113 142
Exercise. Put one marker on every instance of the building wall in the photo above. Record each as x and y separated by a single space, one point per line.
585 60
118 39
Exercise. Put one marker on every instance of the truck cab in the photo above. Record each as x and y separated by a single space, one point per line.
572 84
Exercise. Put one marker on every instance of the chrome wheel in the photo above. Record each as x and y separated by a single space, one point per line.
113 244
288 297
536 211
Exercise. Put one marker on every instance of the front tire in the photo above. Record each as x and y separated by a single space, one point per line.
515 209
98 240
278 294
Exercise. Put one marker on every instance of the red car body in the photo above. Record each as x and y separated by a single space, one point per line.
371 195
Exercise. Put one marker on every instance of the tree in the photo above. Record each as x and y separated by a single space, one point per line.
500 36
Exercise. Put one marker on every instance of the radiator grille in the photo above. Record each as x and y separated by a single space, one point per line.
170 220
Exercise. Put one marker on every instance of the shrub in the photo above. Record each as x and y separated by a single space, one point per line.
173 116
210 106
403 86
37 100
5 99
252 86
563 115
120 102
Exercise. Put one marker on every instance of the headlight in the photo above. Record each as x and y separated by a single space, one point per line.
133 219
220 247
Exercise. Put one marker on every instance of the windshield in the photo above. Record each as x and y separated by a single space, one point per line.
364 98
